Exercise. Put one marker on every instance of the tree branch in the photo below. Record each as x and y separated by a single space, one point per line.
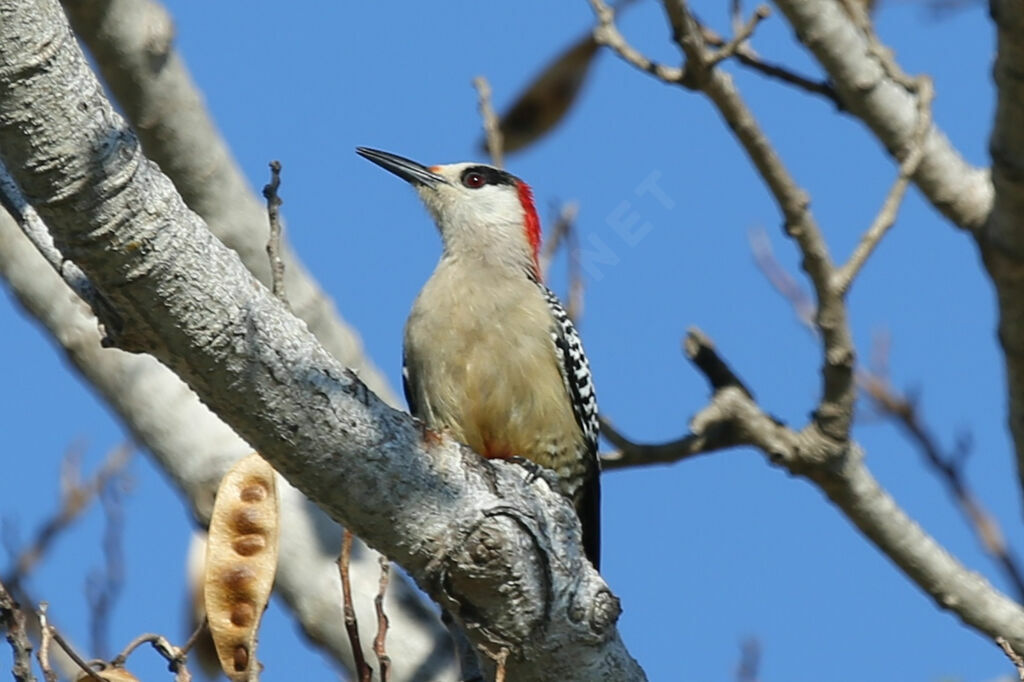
871 92
461 525
822 452
492 128
12 619
187 441
1001 241
838 470
132 43
886 217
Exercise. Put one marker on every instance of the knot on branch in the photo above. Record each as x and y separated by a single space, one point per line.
496 578
598 611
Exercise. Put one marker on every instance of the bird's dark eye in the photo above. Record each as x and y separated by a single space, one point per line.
473 180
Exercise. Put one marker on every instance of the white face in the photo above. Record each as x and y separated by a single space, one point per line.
478 209
479 213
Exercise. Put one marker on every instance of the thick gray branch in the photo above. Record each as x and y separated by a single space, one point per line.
502 554
195 448
132 42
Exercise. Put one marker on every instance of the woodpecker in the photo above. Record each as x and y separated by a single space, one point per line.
490 356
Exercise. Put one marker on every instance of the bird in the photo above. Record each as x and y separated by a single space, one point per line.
490 355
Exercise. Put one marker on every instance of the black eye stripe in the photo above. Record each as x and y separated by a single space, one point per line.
490 175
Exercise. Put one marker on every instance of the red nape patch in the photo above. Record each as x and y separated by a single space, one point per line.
531 223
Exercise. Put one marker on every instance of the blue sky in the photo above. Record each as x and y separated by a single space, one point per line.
705 553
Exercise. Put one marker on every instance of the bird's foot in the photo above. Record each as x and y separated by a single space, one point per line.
535 471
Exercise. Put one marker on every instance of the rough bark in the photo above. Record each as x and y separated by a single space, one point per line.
195 448
855 67
499 551
1002 239
131 42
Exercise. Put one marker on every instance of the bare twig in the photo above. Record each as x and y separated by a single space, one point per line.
44 644
716 427
558 235
743 33
749 59
70 651
12 620
75 498
1018 662
845 275
380 641
563 232
12 199
574 306
274 242
607 33
781 280
194 637
492 127
363 670
175 656
746 56
736 15
949 468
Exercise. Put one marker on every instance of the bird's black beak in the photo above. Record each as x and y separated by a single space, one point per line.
410 171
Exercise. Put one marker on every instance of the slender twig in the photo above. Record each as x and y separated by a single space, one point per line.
363 670
44 644
785 75
70 651
1018 662
746 56
781 280
274 241
194 637
574 306
146 638
380 641
12 199
558 234
492 125
12 621
886 217
564 233
903 411
736 15
746 30
607 33
175 656
716 427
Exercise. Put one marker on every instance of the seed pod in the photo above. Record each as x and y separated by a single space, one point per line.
241 557
548 97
